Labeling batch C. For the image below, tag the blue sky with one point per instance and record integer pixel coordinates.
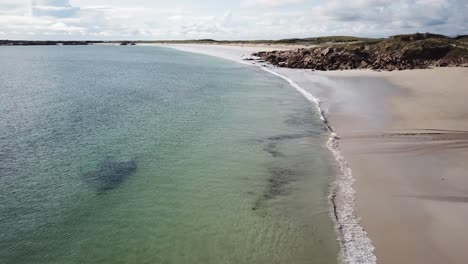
(227, 19)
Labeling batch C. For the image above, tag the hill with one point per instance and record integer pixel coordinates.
(291, 41)
(394, 53)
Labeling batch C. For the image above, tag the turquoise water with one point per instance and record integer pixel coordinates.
(149, 155)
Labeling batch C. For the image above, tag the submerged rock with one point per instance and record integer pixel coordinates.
(110, 174)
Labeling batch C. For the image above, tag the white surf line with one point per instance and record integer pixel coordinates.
(356, 246)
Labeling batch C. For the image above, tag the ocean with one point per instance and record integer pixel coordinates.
(136, 154)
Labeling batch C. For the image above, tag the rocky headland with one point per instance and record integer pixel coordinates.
(401, 52)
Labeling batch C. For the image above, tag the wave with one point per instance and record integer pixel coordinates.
(356, 246)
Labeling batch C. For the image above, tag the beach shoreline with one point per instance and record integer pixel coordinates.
(411, 175)
(355, 245)
(405, 145)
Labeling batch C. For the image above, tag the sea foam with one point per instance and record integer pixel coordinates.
(356, 246)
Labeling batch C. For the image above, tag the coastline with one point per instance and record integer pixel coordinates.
(228, 163)
(411, 171)
(404, 136)
(355, 245)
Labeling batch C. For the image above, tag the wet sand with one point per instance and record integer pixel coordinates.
(412, 174)
(405, 137)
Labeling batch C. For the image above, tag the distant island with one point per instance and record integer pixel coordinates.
(60, 42)
(45, 42)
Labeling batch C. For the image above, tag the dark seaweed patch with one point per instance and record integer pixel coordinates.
(301, 119)
(271, 148)
(308, 121)
(277, 184)
(287, 137)
(273, 142)
(110, 175)
(279, 177)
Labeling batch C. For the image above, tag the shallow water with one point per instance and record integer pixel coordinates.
(149, 155)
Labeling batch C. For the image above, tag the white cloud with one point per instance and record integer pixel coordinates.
(442, 16)
(37, 26)
(232, 19)
(53, 8)
(269, 3)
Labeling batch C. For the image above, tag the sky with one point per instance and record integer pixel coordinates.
(226, 19)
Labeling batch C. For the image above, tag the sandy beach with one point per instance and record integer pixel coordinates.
(410, 171)
(404, 135)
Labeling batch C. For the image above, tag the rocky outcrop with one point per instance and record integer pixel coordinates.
(397, 53)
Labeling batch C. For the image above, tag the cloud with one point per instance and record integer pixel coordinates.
(14, 7)
(231, 19)
(37, 26)
(393, 16)
(268, 3)
(53, 8)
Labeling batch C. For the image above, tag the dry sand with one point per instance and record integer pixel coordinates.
(405, 136)
(230, 52)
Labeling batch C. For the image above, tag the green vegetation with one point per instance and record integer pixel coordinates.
(399, 52)
(292, 41)
(393, 42)
(408, 41)
(323, 40)
(419, 45)
(462, 38)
